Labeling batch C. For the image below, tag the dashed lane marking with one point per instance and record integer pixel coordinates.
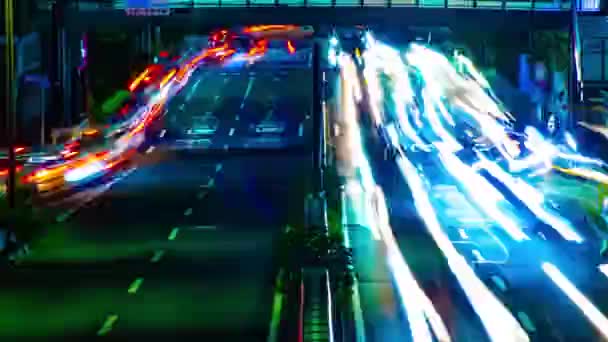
(157, 256)
(162, 133)
(208, 227)
(478, 255)
(247, 91)
(135, 285)
(463, 234)
(150, 149)
(173, 233)
(188, 212)
(301, 129)
(500, 284)
(108, 324)
(526, 321)
(231, 133)
(63, 217)
(211, 183)
(218, 167)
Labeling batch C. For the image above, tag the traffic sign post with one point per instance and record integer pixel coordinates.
(43, 83)
(10, 99)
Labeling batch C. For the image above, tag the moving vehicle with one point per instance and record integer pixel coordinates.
(256, 40)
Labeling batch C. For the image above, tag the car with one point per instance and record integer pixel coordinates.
(4, 168)
(224, 42)
(152, 75)
(255, 40)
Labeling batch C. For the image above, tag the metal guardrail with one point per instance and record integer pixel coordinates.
(524, 5)
(317, 315)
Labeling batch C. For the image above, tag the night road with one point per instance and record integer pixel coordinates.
(228, 198)
(465, 253)
(182, 244)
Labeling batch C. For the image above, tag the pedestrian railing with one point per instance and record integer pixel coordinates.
(526, 5)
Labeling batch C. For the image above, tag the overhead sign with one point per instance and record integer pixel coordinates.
(41, 80)
(148, 7)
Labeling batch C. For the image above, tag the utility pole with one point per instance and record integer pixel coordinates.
(316, 203)
(57, 67)
(575, 76)
(10, 98)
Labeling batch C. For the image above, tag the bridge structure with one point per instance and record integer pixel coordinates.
(457, 14)
(70, 20)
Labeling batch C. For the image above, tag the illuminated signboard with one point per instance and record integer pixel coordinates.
(148, 7)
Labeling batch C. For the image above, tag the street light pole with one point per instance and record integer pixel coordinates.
(10, 98)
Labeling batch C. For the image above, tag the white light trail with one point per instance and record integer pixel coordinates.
(533, 199)
(480, 191)
(603, 269)
(496, 319)
(417, 306)
(593, 314)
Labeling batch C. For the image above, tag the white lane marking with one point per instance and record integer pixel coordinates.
(157, 256)
(247, 91)
(162, 133)
(526, 321)
(218, 167)
(591, 312)
(237, 118)
(502, 286)
(231, 132)
(211, 183)
(173, 233)
(217, 97)
(188, 212)
(226, 147)
(108, 324)
(301, 129)
(478, 255)
(463, 234)
(193, 90)
(210, 227)
(135, 285)
(150, 149)
(603, 269)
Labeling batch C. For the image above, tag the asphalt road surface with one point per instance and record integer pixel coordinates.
(238, 100)
(540, 306)
(180, 247)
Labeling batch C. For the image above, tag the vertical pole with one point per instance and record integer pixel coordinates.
(316, 205)
(317, 114)
(56, 66)
(10, 98)
(66, 76)
(84, 71)
(42, 116)
(574, 79)
(157, 39)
